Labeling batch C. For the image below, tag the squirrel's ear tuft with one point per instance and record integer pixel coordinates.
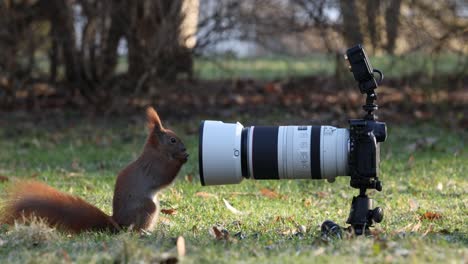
(153, 119)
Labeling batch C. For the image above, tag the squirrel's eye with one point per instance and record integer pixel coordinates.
(173, 140)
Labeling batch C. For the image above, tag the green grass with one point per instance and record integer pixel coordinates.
(280, 67)
(82, 157)
(323, 65)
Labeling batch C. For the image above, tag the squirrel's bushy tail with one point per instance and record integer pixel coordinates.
(28, 199)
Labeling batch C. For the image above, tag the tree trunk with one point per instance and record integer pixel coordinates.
(351, 24)
(53, 58)
(119, 23)
(392, 17)
(136, 50)
(373, 12)
(63, 30)
(154, 42)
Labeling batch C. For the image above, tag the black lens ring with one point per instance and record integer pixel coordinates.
(244, 149)
(200, 152)
(265, 153)
(315, 165)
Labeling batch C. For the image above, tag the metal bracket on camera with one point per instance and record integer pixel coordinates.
(364, 156)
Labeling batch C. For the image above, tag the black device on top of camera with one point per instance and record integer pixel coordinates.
(229, 152)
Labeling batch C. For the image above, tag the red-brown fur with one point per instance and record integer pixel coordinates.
(34, 199)
(134, 203)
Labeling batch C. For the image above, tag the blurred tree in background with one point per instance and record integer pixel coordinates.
(80, 41)
(95, 48)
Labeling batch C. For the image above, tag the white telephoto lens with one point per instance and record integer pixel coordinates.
(220, 153)
(294, 152)
(310, 152)
(334, 146)
(230, 152)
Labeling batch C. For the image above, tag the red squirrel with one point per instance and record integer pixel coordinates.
(135, 204)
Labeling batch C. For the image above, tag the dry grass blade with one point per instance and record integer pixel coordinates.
(231, 208)
(416, 227)
(414, 205)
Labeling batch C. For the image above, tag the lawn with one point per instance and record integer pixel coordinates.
(278, 67)
(424, 170)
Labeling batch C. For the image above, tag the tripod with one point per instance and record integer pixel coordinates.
(364, 150)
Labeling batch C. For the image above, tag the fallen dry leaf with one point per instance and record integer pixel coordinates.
(322, 194)
(205, 195)
(219, 233)
(4, 178)
(181, 246)
(164, 220)
(170, 211)
(269, 193)
(377, 234)
(231, 208)
(431, 216)
(319, 251)
(287, 232)
(307, 202)
(279, 219)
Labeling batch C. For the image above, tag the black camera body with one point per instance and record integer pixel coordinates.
(367, 133)
(364, 152)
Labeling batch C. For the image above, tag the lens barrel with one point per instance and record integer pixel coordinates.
(220, 153)
(229, 152)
